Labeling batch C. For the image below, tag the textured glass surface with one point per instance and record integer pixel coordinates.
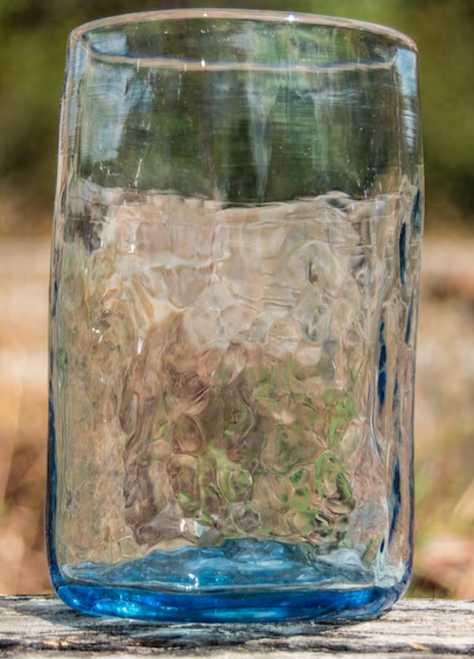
(234, 293)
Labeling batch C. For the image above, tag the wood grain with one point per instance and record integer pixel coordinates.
(42, 626)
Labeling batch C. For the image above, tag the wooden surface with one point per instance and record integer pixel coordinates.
(44, 627)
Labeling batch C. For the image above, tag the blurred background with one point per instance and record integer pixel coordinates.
(33, 36)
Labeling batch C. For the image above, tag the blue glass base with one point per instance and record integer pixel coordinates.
(239, 581)
(237, 607)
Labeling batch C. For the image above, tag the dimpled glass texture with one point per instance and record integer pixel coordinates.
(234, 294)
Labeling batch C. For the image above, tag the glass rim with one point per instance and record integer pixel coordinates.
(263, 15)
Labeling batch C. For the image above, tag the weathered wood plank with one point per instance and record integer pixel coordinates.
(44, 627)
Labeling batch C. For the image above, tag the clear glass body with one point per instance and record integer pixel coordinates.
(234, 292)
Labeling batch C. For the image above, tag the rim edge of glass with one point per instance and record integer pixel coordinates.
(243, 14)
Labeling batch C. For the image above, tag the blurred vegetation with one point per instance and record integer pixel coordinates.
(32, 54)
(33, 35)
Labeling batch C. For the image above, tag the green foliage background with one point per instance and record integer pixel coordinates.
(33, 36)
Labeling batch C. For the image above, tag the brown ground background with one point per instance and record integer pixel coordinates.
(444, 428)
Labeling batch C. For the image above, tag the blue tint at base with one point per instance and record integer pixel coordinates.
(284, 606)
(238, 607)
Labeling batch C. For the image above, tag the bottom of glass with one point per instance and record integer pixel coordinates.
(239, 581)
(248, 607)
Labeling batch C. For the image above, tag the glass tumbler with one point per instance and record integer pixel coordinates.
(234, 293)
